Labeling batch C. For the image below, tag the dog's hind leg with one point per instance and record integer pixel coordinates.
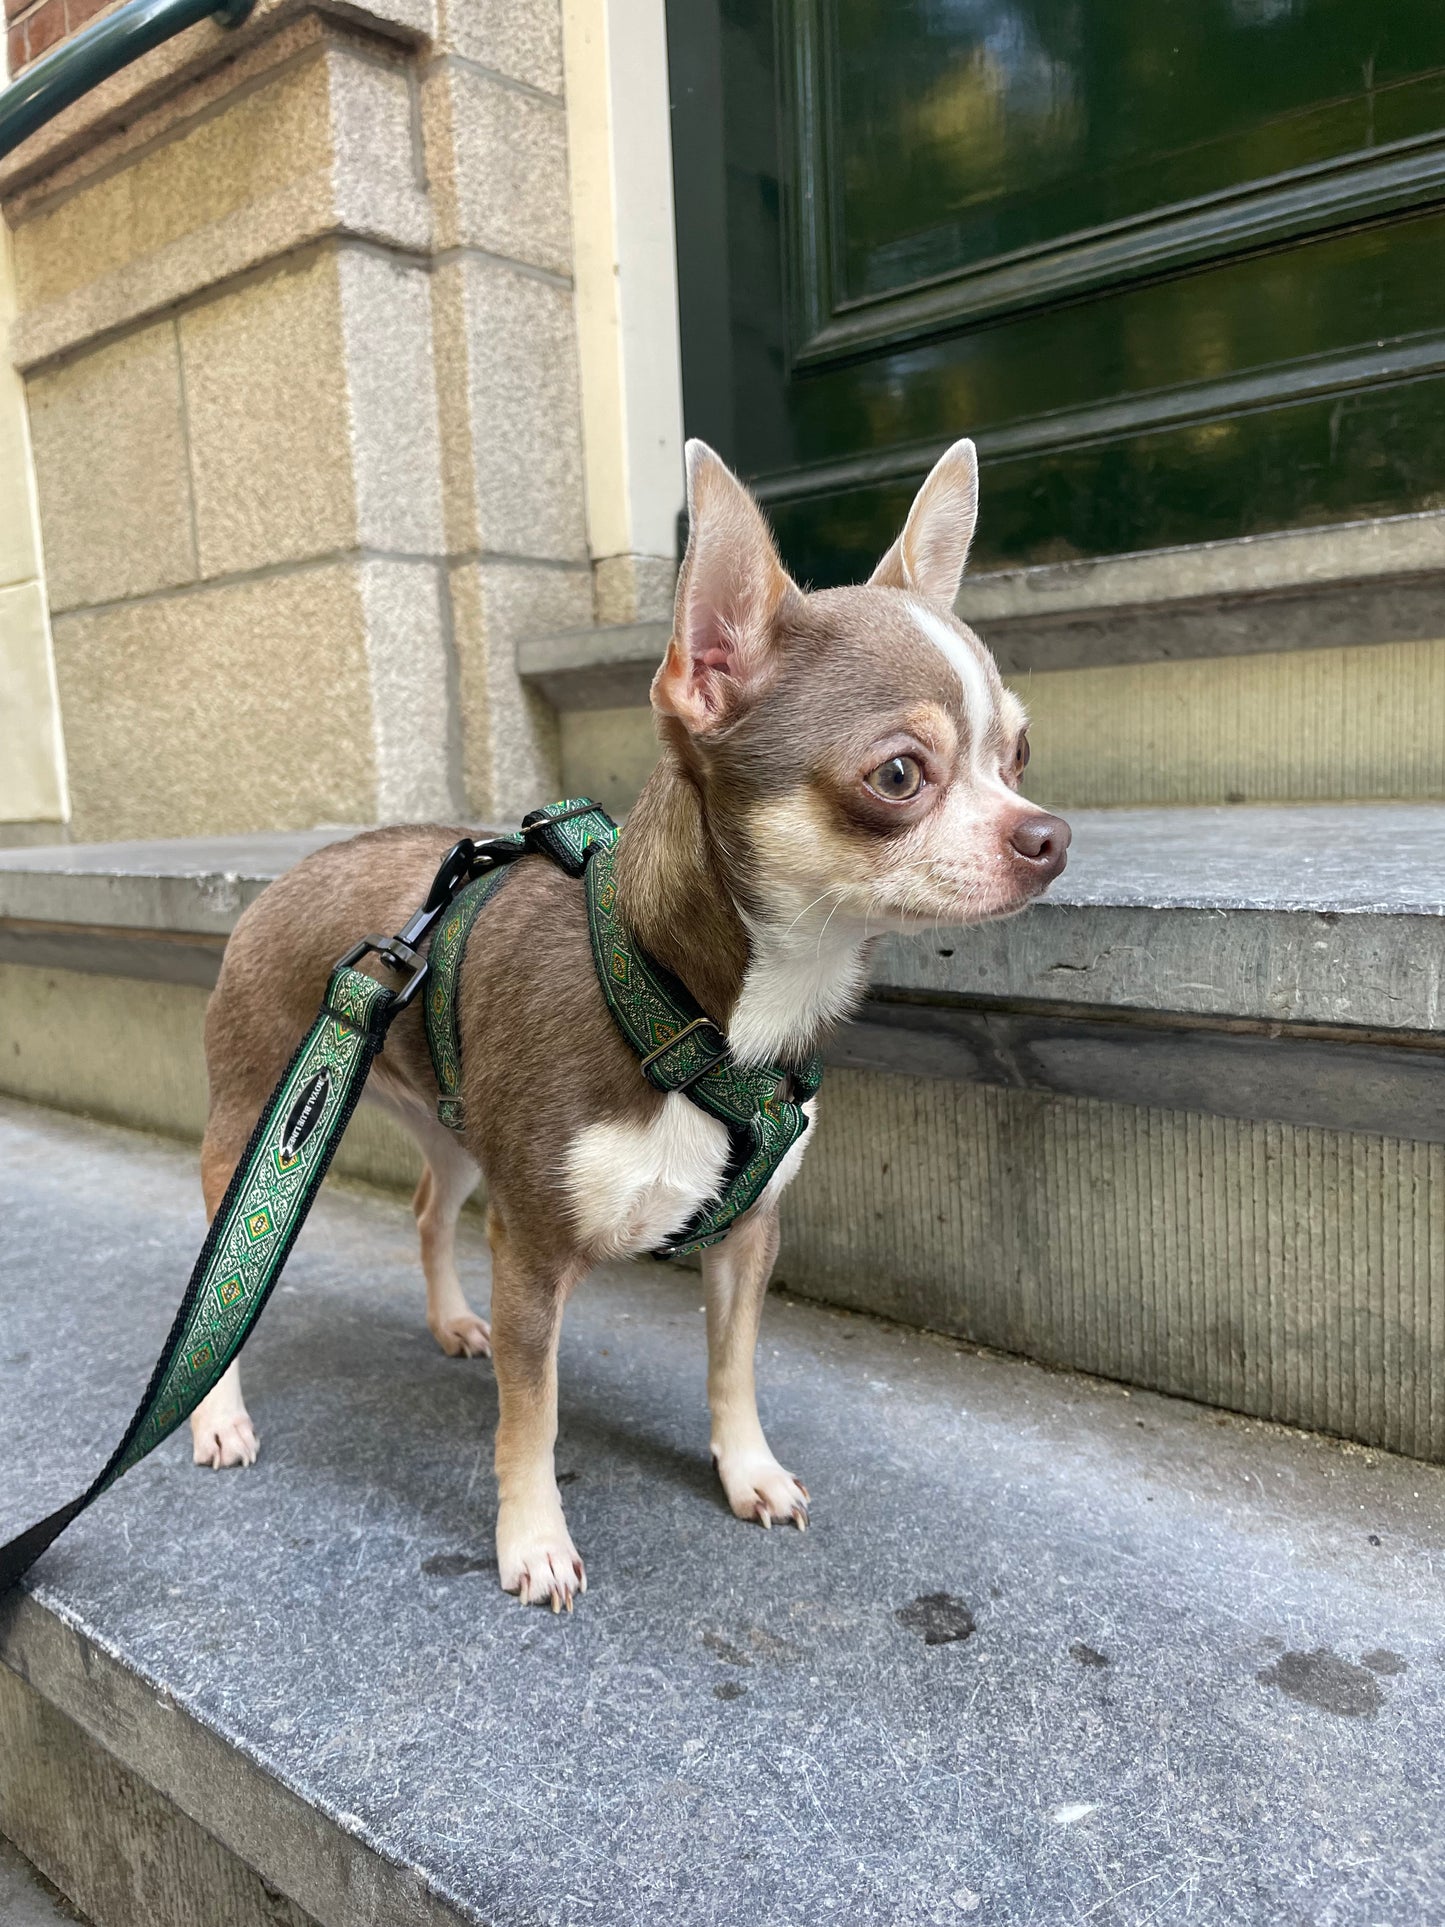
(735, 1280)
(447, 1182)
(221, 1429)
(449, 1177)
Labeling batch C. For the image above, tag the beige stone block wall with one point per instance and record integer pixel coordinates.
(310, 399)
(506, 355)
(34, 801)
(520, 42)
(238, 706)
(304, 136)
(110, 461)
(500, 180)
(299, 341)
(512, 748)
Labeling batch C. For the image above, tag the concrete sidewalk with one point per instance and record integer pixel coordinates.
(1052, 1652)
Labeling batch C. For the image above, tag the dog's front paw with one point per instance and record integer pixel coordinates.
(758, 1488)
(465, 1336)
(537, 1559)
(224, 1441)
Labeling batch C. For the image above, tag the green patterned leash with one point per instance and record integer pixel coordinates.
(273, 1187)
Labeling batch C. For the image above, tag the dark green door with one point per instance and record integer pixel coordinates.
(1176, 264)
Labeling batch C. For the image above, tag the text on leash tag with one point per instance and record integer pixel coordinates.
(305, 1114)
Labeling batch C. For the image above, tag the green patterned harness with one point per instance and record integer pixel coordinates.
(680, 1047)
(280, 1172)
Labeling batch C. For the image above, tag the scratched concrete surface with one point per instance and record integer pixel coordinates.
(1051, 1653)
(26, 1899)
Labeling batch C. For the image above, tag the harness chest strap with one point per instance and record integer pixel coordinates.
(683, 1050)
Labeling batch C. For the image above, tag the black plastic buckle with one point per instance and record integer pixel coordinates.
(461, 863)
(397, 956)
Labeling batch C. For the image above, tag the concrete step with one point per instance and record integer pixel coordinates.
(1180, 1124)
(1298, 666)
(27, 1898)
(1052, 1651)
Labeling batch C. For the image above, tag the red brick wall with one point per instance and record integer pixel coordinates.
(34, 26)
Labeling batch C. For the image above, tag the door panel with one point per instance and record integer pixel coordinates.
(1175, 265)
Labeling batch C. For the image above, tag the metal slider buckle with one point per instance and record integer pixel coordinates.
(698, 1023)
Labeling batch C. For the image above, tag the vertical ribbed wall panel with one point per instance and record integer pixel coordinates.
(1292, 1274)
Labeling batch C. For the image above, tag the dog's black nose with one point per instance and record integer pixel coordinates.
(1043, 842)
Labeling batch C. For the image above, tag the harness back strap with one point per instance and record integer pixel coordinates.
(567, 832)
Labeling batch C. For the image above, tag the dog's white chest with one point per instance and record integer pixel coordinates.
(633, 1184)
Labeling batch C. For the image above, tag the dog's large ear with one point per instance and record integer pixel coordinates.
(928, 557)
(728, 595)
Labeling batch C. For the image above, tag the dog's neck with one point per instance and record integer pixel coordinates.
(775, 981)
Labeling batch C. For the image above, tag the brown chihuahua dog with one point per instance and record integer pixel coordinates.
(833, 765)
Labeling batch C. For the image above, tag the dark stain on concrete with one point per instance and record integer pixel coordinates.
(939, 1617)
(451, 1565)
(1323, 1679)
(725, 1650)
(1382, 1660)
(1087, 1655)
(730, 1689)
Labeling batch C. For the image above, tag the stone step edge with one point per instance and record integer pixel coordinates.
(327, 1867)
(1340, 585)
(1287, 1015)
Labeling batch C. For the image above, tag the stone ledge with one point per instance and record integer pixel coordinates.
(1320, 915)
(147, 82)
(312, 1657)
(1248, 963)
(192, 885)
(604, 668)
(1338, 586)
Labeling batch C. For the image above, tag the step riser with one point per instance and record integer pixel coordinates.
(127, 1803)
(115, 1847)
(1301, 726)
(1290, 1272)
(128, 1051)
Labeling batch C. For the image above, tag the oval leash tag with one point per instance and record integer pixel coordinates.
(305, 1116)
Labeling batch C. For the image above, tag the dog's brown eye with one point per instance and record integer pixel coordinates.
(1021, 754)
(897, 779)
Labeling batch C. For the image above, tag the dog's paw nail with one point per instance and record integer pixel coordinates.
(800, 1517)
(801, 1487)
(765, 1518)
(466, 1336)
